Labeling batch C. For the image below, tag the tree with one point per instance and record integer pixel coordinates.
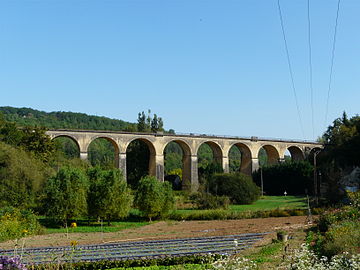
(141, 122)
(21, 177)
(109, 197)
(153, 198)
(293, 177)
(65, 194)
(36, 141)
(237, 186)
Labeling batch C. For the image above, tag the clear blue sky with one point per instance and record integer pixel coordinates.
(215, 67)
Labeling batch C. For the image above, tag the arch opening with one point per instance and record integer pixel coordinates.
(268, 156)
(209, 161)
(103, 152)
(67, 146)
(240, 159)
(140, 161)
(177, 161)
(295, 154)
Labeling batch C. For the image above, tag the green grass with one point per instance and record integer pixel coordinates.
(96, 227)
(265, 203)
(267, 253)
(273, 202)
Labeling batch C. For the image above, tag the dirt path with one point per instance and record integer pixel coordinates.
(166, 230)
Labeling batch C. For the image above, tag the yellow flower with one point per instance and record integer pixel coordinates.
(73, 243)
(73, 225)
(25, 231)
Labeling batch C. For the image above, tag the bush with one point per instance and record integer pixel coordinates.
(8, 263)
(208, 201)
(15, 223)
(239, 187)
(154, 198)
(342, 237)
(108, 264)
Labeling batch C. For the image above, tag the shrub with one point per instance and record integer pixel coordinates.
(108, 264)
(342, 237)
(239, 187)
(154, 198)
(208, 201)
(15, 223)
(7, 263)
(305, 259)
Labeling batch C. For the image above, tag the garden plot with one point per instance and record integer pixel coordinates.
(229, 244)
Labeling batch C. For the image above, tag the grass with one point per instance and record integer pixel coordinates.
(273, 202)
(265, 203)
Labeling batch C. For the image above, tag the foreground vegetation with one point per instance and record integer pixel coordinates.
(38, 178)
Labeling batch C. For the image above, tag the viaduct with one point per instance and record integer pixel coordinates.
(220, 145)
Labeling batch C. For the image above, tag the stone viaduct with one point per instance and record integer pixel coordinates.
(249, 148)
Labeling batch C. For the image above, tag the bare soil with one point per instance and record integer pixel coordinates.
(166, 230)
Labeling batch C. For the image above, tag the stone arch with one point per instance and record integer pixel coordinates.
(246, 157)
(74, 139)
(113, 143)
(152, 168)
(216, 149)
(186, 162)
(273, 155)
(296, 153)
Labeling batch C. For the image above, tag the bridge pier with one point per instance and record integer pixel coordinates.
(225, 164)
(159, 164)
(194, 178)
(122, 164)
(84, 155)
(255, 164)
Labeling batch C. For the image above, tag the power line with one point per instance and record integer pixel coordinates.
(290, 68)
(332, 62)
(310, 69)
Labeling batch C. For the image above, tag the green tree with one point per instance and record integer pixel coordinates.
(66, 194)
(141, 122)
(109, 197)
(36, 141)
(21, 177)
(293, 177)
(237, 186)
(153, 198)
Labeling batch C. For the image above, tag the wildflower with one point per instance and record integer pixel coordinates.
(73, 243)
(73, 225)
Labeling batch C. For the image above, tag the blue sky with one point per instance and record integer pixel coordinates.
(214, 67)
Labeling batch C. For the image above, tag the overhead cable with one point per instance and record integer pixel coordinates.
(332, 62)
(290, 68)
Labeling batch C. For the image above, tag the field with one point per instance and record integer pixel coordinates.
(265, 203)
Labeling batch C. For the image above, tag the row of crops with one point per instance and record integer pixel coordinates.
(229, 244)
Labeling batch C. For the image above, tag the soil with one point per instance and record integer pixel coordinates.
(167, 230)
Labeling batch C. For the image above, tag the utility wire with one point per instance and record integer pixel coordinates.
(332, 62)
(290, 68)
(310, 69)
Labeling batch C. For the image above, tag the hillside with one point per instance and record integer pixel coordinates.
(59, 120)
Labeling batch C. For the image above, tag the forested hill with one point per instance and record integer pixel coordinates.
(59, 120)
